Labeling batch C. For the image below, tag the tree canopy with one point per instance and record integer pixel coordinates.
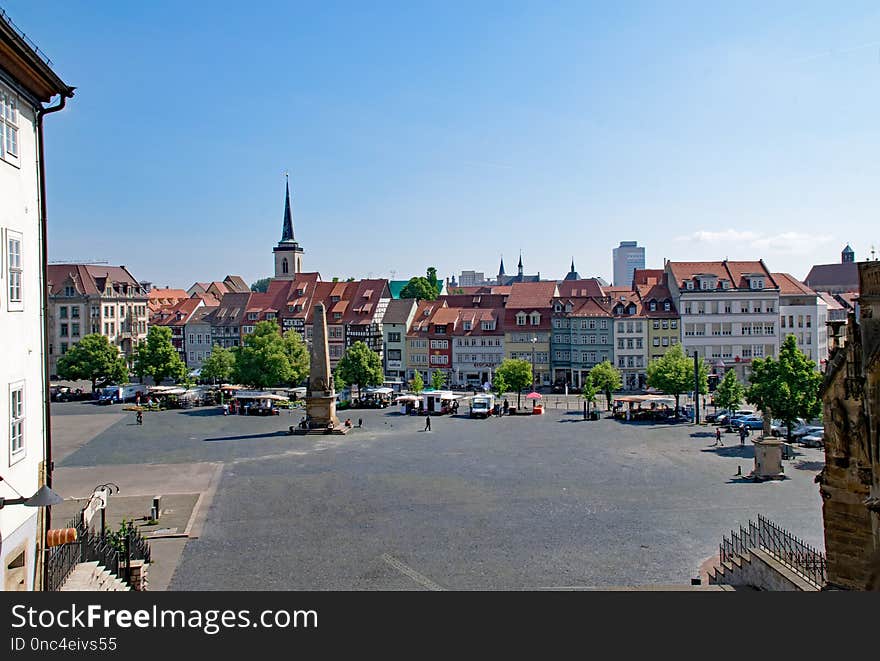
(787, 388)
(589, 390)
(417, 383)
(516, 374)
(730, 392)
(673, 373)
(156, 357)
(94, 359)
(297, 355)
(262, 359)
(261, 285)
(606, 378)
(219, 366)
(438, 379)
(361, 365)
(419, 288)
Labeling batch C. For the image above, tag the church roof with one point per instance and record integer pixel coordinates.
(287, 226)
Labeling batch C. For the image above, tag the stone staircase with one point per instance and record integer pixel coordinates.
(760, 570)
(92, 577)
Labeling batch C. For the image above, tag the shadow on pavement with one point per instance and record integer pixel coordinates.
(203, 412)
(741, 451)
(249, 436)
(810, 465)
(703, 434)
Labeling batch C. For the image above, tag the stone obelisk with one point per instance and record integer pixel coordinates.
(321, 396)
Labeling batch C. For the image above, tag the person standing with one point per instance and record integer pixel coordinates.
(718, 437)
(506, 407)
(427, 423)
(742, 435)
(140, 417)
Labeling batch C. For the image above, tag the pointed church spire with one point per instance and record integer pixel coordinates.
(501, 268)
(520, 266)
(287, 227)
(572, 264)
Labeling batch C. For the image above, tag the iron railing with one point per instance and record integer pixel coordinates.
(779, 543)
(90, 546)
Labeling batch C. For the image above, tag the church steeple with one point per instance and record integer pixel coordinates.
(572, 265)
(288, 253)
(520, 266)
(287, 226)
(501, 268)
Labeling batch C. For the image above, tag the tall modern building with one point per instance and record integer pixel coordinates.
(627, 258)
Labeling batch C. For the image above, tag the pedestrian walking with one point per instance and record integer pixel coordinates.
(360, 422)
(718, 437)
(506, 406)
(742, 435)
(140, 417)
(427, 423)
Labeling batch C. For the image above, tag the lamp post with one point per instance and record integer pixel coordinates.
(696, 388)
(534, 341)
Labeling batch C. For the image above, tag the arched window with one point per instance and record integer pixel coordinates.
(284, 265)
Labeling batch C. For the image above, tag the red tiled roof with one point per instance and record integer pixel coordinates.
(580, 288)
(161, 294)
(790, 286)
(648, 276)
(89, 279)
(179, 314)
(734, 272)
(531, 294)
(583, 307)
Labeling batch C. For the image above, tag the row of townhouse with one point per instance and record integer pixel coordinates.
(726, 312)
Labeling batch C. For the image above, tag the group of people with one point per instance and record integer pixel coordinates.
(743, 432)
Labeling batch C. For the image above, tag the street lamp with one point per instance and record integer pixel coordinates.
(534, 341)
(696, 388)
(44, 497)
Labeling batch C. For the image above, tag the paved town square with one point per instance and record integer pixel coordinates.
(520, 502)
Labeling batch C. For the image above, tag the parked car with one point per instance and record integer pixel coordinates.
(815, 440)
(805, 430)
(751, 422)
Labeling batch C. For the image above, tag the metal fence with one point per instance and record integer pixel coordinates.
(93, 546)
(781, 544)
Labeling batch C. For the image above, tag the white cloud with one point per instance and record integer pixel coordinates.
(782, 243)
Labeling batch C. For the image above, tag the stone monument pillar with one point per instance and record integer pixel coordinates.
(321, 396)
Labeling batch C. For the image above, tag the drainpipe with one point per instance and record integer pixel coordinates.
(44, 302)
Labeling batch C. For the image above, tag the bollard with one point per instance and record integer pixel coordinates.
(154, 511)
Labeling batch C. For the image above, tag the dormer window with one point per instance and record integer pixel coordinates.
(334, 299)
(69, 291)
(467, 325)
(631, 309)
(568, 307)
(690, 284)
(488, 325)
(618, 309)
(667, 306)
(557, 307)
(653, 306)
(521, 319)
(757, 283)
(300, 292)
(535, 318)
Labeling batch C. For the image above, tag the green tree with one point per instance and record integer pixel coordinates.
(339, 384)
(730, 392)
(261, 361)
(438, 380)
(499, 384)
(156, 357)
(361, 365)
(589, 390)
(417, 383)
(261, 285)
(517, 374)
(420, 289)
(219, 366)
(432, 277)
(297, 355)
(93, 359)
(673, 373)
(606, 379)
(787, 388)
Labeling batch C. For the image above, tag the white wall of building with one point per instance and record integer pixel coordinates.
(21, 336)
(807, 324)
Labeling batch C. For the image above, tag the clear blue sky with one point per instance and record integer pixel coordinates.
(448, 133)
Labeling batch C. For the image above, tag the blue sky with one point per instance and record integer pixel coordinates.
(448, 134)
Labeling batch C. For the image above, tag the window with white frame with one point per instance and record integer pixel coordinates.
(8, 126)
(14, 268)
(16, 419)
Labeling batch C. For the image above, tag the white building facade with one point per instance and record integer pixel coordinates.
(23, 377)
(803, 313)
(729, 311)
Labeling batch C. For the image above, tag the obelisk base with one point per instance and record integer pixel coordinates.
(321, 416)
